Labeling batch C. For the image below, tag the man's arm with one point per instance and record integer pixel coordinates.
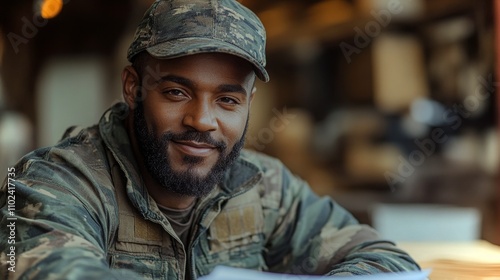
(61, 227)
(317, 236)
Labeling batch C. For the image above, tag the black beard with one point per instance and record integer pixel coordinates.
(186, 183)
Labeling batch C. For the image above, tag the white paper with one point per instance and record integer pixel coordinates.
(231, 273)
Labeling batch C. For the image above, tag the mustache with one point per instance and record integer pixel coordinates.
(200, 137)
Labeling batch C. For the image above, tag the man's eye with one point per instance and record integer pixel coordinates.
(173, 92)
(229, 100)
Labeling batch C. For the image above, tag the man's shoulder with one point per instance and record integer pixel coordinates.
(275, 175)
(263, 161)
(76, 140)
(78, 149)
(79, 134)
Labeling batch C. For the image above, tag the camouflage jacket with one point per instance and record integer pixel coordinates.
(82, 212)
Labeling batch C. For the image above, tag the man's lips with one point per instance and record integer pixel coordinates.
(194, 148)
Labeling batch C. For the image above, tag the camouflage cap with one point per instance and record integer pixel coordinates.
(174, 28)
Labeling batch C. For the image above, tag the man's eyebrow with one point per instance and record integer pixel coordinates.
(176, 79)
(232, 88)
(188, 83)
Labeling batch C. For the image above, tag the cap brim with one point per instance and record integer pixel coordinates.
(189, 46)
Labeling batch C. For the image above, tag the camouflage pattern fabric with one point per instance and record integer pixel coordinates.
(174, 28)
(83, 213)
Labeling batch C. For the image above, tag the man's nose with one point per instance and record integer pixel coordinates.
(200, 116)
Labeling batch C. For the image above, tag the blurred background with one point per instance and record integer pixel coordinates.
(388, 106)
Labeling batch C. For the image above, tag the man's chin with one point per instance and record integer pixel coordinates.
(195, 166)
(193, 181)
(194, 173)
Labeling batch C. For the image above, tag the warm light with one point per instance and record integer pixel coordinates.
(50, 8)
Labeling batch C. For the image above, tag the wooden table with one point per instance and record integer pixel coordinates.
(475, 260)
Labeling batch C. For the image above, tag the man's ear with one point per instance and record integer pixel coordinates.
(252, 94)
(130, 86)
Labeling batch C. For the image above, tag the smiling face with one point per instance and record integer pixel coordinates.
(191, 122)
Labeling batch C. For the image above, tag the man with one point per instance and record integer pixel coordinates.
(161, 188)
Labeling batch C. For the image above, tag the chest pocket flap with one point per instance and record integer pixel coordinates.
(239, 225)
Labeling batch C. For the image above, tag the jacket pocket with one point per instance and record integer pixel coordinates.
(149, 267)
(236, 237)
